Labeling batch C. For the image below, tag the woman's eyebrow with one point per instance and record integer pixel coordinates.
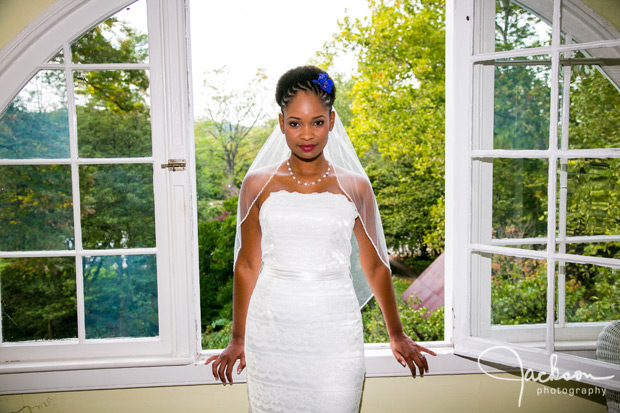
(298, 118)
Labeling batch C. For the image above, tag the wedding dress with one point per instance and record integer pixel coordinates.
(304, 343)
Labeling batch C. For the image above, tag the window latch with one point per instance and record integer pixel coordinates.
(174, 165)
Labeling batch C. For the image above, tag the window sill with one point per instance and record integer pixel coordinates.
(379, 363)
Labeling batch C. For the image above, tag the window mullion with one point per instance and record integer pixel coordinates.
(566, 80)
(99, 66)
(534, 51)
(543, 154)
(552, 179)
(75, 190)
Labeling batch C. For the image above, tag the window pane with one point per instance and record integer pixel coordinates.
(592, 293)
(117, 206)
(38, 298)
(518, 290)
(521, 106)
(520, 199)
(594, 117)
(36, 124)
(113, 115)
(120, 39)
(120, 296)
(516, 27)
(36, 208)
(58, 57)
(592, 207)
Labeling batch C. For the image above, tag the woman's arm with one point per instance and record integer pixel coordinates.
(405, 350)
(246, 270)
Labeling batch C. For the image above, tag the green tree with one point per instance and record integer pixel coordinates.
(223, 132)
(398, 115)
(38, 299)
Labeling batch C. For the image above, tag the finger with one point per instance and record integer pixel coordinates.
(420, 361)
(229, 369)
(222, 372)
(214, 370)
(399, 357)
(210, 359)
(411, 367)
(241, 364)
(425, 362)
(424, 349)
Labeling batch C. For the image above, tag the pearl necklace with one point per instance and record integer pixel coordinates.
(325, 175)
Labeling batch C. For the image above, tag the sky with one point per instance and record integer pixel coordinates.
(245, 35)
(275, 35)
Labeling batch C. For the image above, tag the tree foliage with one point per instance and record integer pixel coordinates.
(398, 115)
(223, 133)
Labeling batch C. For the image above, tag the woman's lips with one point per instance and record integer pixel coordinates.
(307, 148)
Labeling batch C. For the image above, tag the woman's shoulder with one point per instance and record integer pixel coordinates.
(256, 179)
(349, 177)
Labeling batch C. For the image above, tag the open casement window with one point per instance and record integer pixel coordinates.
(89, 112)
(533, 178)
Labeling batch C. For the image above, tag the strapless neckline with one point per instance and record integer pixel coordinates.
(315, 194)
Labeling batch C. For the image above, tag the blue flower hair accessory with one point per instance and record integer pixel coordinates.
(324, 82)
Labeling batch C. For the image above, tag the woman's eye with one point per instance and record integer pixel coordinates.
(319, 123)
(293, 124)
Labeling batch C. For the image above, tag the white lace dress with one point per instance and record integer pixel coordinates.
(304, 344)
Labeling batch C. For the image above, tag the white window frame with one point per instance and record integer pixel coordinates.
(176, 342)
(464, 197)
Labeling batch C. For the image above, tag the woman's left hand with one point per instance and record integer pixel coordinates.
(409, 353)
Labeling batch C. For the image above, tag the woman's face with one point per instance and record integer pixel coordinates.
(306, 123)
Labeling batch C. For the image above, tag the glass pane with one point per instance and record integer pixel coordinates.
(120, 296)
(594, 116)
(36, 208)
(592, 293)
(520, 201)
(58, 57)
(522, 105)
(117, 206)
(36, 123)
(121, 38)
(518, 290)
(113, 113)
(592, 207)
(38, 299)
(516, 27)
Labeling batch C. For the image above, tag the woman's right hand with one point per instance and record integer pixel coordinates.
(224, 363)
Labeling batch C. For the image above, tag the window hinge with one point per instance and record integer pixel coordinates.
(174, 164)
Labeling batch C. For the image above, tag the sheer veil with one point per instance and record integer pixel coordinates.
(352, 180)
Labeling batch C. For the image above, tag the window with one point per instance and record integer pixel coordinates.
(542, 242)
(90, 215)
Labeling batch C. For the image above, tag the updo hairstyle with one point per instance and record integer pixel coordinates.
(301, 78)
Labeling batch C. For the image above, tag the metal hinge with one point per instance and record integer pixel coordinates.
(174, 164)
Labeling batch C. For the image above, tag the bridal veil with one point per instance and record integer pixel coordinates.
(352, 180)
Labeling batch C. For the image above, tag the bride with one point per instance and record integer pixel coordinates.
(297, 290)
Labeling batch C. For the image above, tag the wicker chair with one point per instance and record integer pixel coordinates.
(608, 349)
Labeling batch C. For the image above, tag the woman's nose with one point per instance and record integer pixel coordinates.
(307, 134)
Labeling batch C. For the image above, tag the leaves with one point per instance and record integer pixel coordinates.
(398, 114)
